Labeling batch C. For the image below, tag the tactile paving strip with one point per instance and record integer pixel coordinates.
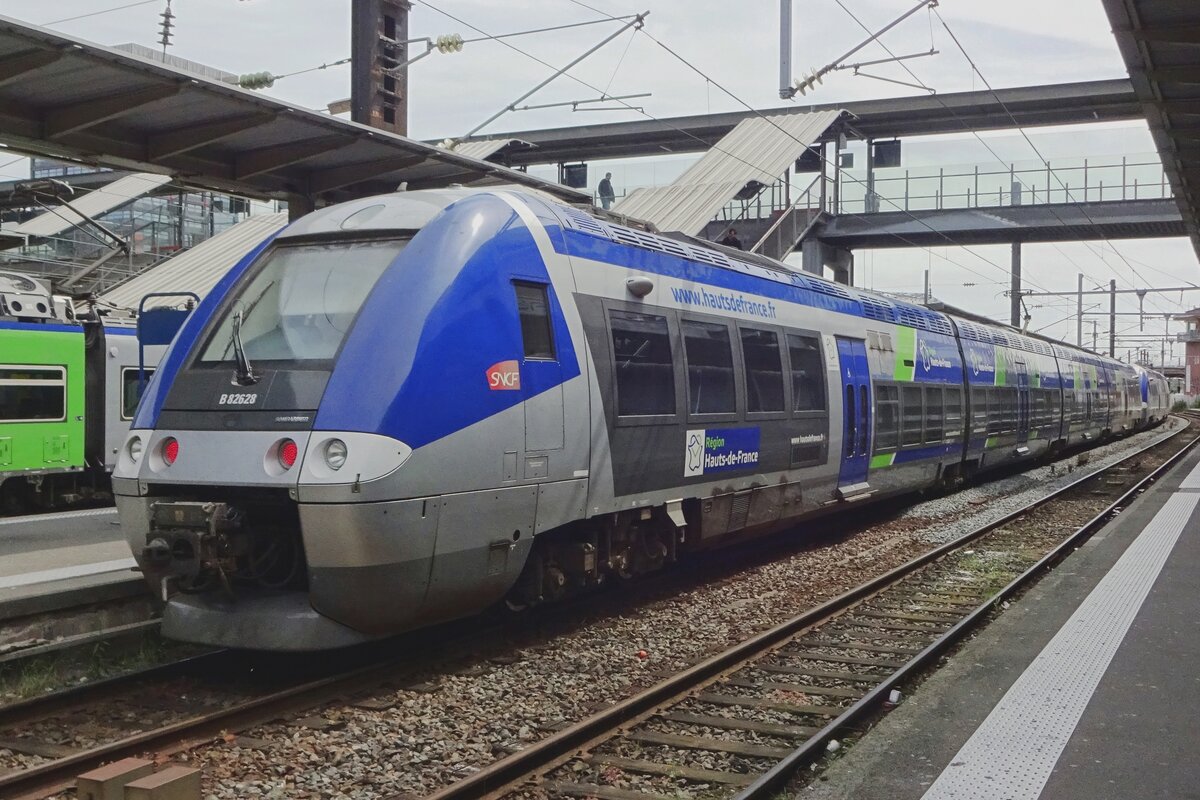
(1014, 750)
(1192, 481)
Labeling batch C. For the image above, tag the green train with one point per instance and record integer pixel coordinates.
(68, 388)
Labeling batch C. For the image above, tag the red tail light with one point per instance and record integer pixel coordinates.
(170, 450)
(288, 453)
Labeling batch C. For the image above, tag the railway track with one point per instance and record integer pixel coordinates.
(800, 699)
(172, 708)
(740, 724)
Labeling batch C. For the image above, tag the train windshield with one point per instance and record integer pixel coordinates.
(300, 301)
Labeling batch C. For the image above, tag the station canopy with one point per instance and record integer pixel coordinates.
(62, 97)
(488, 149)
(196, 269)
(1159, 41)
(755, 153)
(91, 205)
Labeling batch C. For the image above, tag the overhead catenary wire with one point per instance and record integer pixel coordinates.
(828, 161)
(966, 127)
(620, 61)
(1034, 147)
(963, 123)
(900, 237)
(635, 24)
(707, 145)
(98, 13)
(453, 43)
(758, 113)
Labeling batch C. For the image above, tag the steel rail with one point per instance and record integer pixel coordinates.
(12, 714)
(79, 640)
(183, 734)
(58, 774)
(511, 772)
(776, 778)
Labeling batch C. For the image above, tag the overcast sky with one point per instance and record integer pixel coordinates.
(1014, 43)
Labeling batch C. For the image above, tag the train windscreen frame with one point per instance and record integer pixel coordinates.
(299, 302)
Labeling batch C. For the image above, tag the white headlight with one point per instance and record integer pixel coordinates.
(135, 448)
(335, 453)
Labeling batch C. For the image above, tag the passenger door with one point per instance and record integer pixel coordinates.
(856, 417)
(1022, 402)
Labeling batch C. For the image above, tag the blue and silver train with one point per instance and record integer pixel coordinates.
(408, 408)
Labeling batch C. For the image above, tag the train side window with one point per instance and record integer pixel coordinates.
(933, 415)
(979, 409)
(533, 307)
(1008, 402)
(131, 390)
(864, 427)
(33, 394)
(808, 373)
(1039, 400)
(851, 415)
(913, 415)
(887, 418)
(709, 368)
(954, 413)
(644, 370)
(764, 370)
(995, 411)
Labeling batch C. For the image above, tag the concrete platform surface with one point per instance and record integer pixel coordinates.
(55, 531)
(52, 561)
(1086, 688)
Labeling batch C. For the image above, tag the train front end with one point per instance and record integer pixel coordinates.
(311, 466)
(207, 481)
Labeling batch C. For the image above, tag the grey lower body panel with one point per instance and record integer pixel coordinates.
(284, 622)
(376, 600)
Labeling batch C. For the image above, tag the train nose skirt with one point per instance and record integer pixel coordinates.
(278, 621)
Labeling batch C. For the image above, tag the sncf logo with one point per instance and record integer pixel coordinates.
(504, 376)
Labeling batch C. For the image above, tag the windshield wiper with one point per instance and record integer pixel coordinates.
(245, 373)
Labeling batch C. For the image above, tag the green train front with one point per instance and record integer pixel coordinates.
(41, 404)
(68, 389)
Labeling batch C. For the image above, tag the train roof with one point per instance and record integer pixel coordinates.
(874, 305)
(411, 211)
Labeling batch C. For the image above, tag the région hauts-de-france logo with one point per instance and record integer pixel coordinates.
(504, 376)
(930, 357)
(980, 362)
(718, 450)
(694, 464)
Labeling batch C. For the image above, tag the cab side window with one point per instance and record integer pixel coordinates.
(131, 389)
(533, 307)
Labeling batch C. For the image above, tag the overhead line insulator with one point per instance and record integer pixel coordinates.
(449, 43)
(164, 37)
(256, 80)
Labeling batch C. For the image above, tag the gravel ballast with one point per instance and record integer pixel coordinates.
(449, 721)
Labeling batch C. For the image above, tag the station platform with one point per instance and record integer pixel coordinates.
(54, 561)
(1086, 688)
